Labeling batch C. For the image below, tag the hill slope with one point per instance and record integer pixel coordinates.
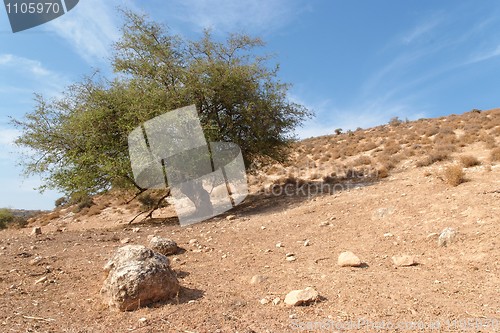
(396, 202)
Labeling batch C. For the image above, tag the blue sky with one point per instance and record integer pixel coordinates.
(355, 63)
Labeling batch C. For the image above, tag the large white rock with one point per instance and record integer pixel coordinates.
(301, 297)
(348, 259)
(138, 276)
(404, 260)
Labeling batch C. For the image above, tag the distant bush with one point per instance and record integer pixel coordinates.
(363, 160)
(6, 217)
(61, 202)
(433, 157)
(382, 172)
(94, 210)
(469, 161)
(495, 155)
(395, 121)
(82, 201)
(454, 175)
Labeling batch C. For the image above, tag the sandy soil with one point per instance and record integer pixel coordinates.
(395, 216)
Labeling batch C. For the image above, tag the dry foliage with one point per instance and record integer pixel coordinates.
(469, 161)
(454, 175)
(495, 155)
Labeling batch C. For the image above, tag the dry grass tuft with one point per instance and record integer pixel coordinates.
(495, 155)
(454, 175)
(469, 161)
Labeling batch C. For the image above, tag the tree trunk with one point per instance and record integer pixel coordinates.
(199, 196)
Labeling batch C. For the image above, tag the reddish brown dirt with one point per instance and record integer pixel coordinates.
(454, 288)
(449, 283)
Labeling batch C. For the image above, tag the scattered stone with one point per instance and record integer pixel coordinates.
(35, 261)
(136, 230)
(164, 246)
(258, 279)
(324, 224)
(193, 241)
(41, 280)
(292, 316)
(290, 254)
(307, 242)
(301, 297)
(432, 235)
(404, 260)
(138, 276)
(36, 231)
(388, 234)
(263, 228)
(291, 258)
(230, 217)
(125, 240)
(380, 213)
(276, 301)
(143, 320)
(447, 237)
(348, 259)
(279, 244)
(264, 301)
(24, 255)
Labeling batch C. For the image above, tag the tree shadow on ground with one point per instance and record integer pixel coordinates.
(279, 200)
(276, 199)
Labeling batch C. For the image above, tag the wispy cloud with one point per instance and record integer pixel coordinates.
(365, 114)
(33, 67)
(7, 136)
(422, 29)
(483, 56)
(90, 29)
(32, 76)
(228, 15)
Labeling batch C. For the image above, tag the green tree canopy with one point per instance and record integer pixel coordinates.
(78, 142)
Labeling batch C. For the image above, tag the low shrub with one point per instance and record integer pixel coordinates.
(6, 217)
(469, 161)
(495, 155)
(454, 175)
(61, 202)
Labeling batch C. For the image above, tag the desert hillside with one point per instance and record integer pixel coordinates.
(384, 193)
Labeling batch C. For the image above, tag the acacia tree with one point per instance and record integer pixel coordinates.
(78, 143)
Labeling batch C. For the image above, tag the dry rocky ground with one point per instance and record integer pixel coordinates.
(235, 274)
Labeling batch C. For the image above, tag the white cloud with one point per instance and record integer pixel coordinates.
(91, 28)
(365, 114)
(29, 75)
(421, 30)
(7, 136)
(30, 66)
(7, 147)
(229, 15)
(483, 56)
